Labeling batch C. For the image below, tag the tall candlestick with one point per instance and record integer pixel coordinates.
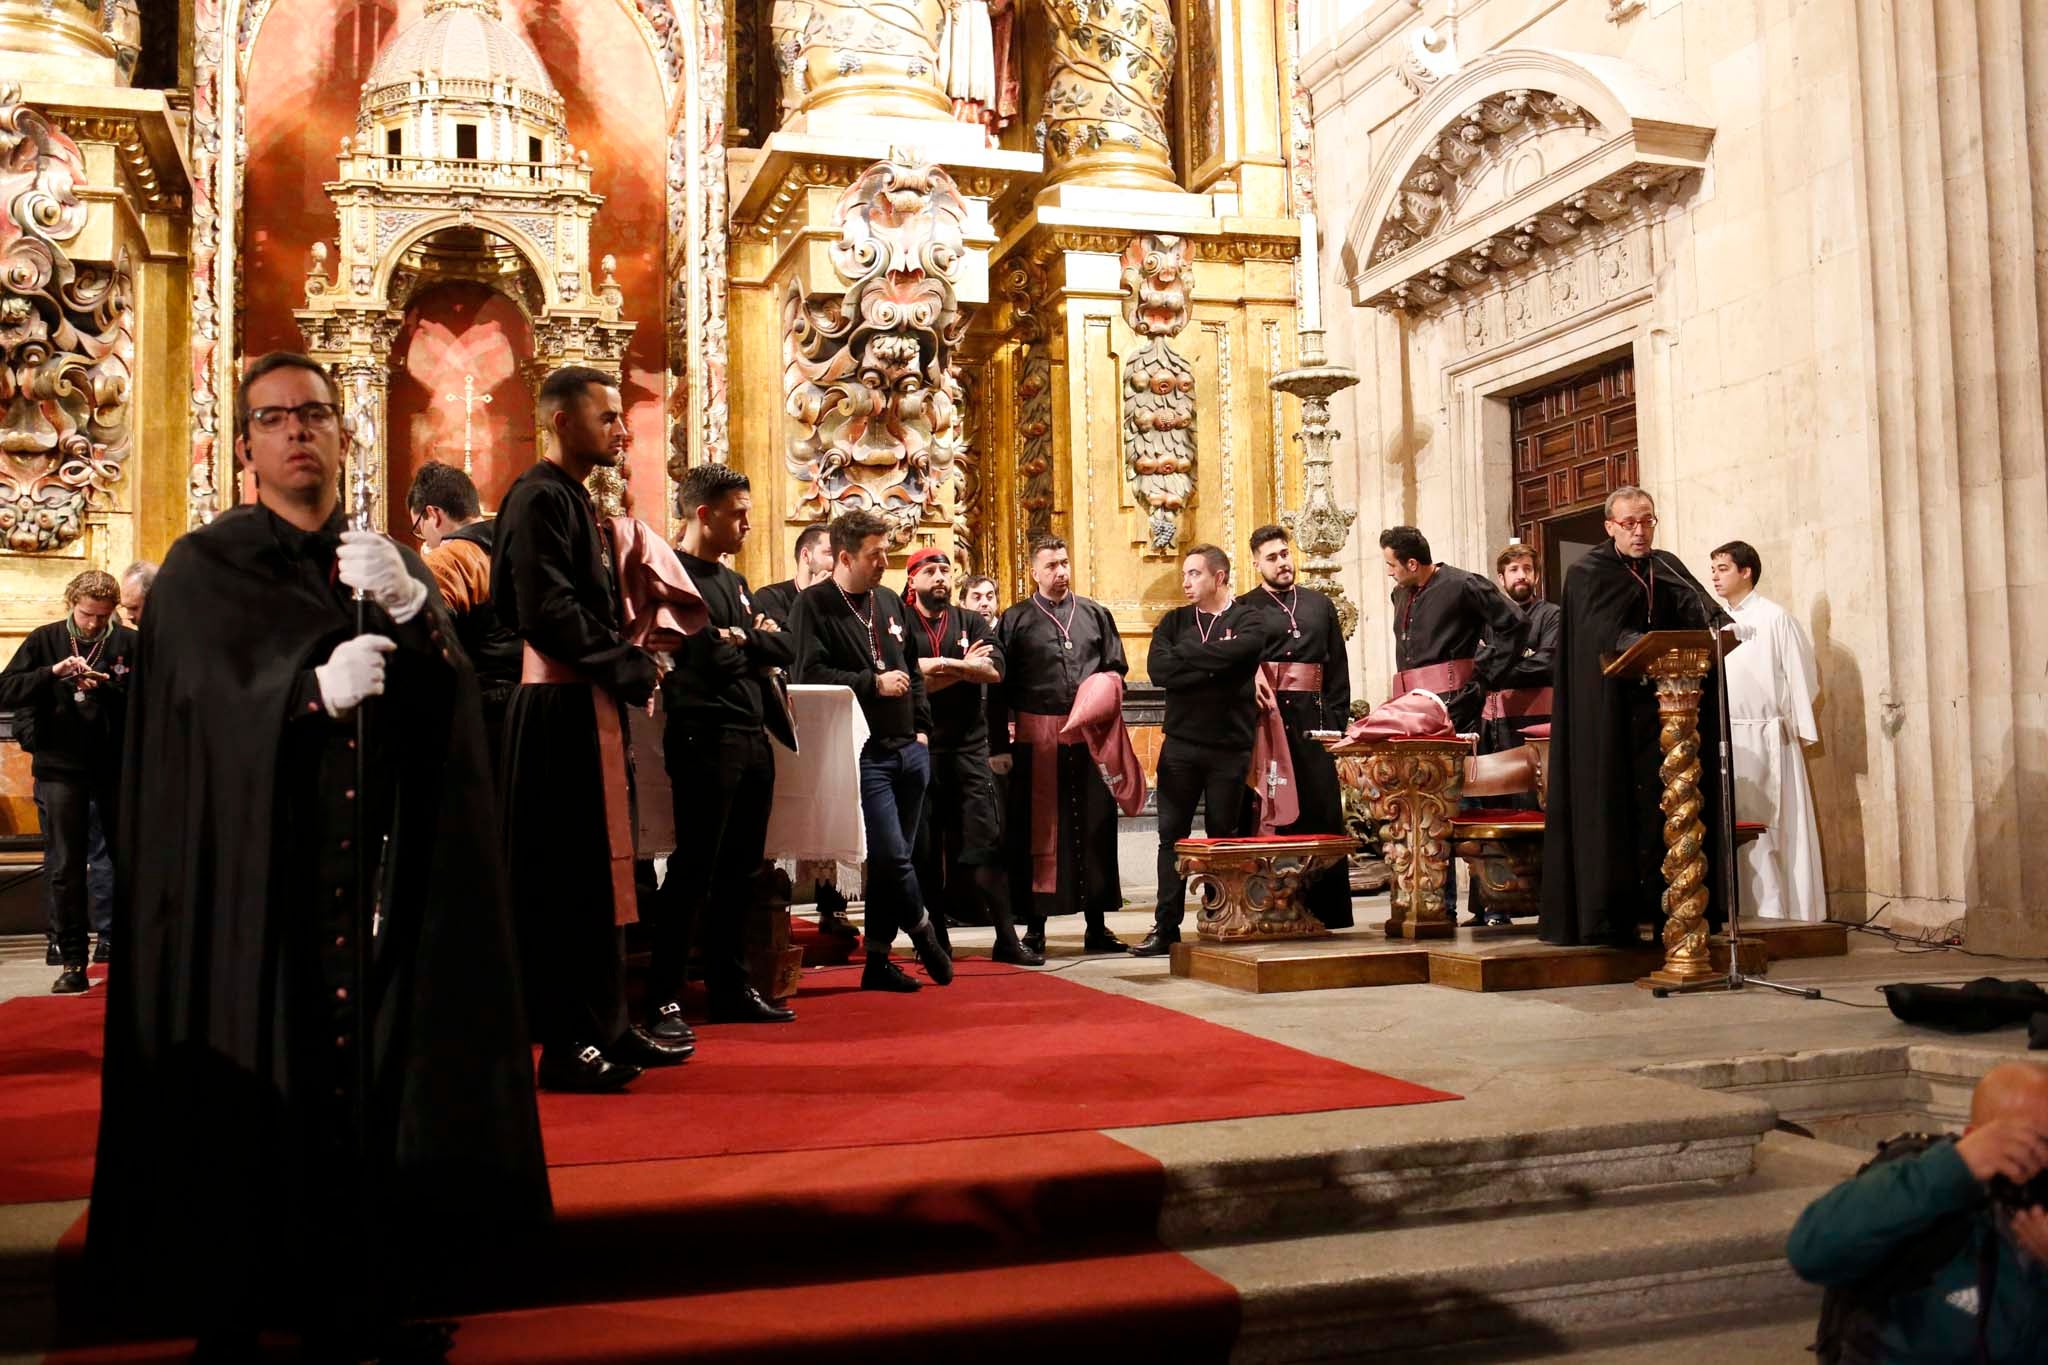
(1311, 276)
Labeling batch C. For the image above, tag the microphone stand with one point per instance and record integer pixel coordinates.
(1724, 827)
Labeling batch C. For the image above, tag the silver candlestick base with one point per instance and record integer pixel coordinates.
(1320, 527)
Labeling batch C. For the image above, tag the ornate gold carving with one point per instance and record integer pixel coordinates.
(1103, 117)
(1159, 398)
(1411, 788)
(1252, 888)
(1024, 287)
(869, 372)
(1507, 862)
(874, 57)
(1680, 677)
(1321, 526)
(67, 337)
(126, 136)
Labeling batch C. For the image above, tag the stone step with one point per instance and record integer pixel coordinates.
(1534, 1280)
(1591, 1138)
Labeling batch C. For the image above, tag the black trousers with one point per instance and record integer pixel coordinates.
(1191, 773)
(723, 782)
(960, 840)
(66, 806)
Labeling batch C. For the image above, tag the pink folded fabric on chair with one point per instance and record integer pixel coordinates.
(1420, 714)
(661, 604)
(1097, 720)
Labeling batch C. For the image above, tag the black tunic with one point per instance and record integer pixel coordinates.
(833, 645)
(67, 737)
(224, 1188)
(1533, 666)
(776, 601)
(715, 684)
(1208, 666)
(1603, 845)
(1316, 787)
(1041, 677)
(1444, 621)
(959, 712)
(551, 581)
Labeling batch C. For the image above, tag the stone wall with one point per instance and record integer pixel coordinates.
(1836, 327)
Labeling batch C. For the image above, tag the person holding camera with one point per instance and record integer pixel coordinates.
(1938, 1251)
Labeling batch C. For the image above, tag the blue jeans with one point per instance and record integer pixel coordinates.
(892, 786)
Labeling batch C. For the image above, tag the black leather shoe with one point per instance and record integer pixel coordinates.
(1498, 919)
(1158, 943)
(1103, 941)
(102, 951)
(53, 956)
(583, 1070)
(1016, 954)
(669, 1026)
(932, 954)
(1034, 938)
(883, 975)
(71, 982)
(748, 1006)
(835, 923)
(637, 1047)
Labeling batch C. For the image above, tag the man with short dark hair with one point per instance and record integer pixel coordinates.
(978, 595)
(455, 537)
(316, 996)
(813, 554)
(69, 680)
(1441, 614)
(853, 632)
(720, 769)
(960, 843)
(568, 813)
(1306, 675)
(1603, 832)
(1772, 686)
(1062, 816)
(1206, 656)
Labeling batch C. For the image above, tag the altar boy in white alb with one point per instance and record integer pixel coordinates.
(1772, 684)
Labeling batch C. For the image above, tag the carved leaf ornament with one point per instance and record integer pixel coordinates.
(868, 373)
(67, 342)
(1159, 384)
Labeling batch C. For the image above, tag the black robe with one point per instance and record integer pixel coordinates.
(1531, 666)
(1041, 677)
(1603, 845)
(551, 582)
(225, 1189)
(1445, 621)
(1316, 787)
(776, 601)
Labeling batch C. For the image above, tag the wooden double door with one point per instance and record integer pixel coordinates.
(1574, 443)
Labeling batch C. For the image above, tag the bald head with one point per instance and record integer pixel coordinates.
(2012, 1090)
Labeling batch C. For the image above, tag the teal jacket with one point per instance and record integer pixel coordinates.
(1851, 1232)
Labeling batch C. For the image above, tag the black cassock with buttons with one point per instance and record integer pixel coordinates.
(227, 1185)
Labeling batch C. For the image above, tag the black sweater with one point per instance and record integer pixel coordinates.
(69, 738)
(833, 646)
(714, 683)
(1210, 683)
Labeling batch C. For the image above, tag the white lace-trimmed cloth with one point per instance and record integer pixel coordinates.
(817, 816)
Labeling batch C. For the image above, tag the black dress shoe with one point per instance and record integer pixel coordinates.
(835, 923)
(637, 1047)
(932, 954)
(1158, 943)
(583, 1070)
(1016, 954)
(1498, 919)
(1034, 937)
(71, 982)
(748, 1006)
(53, 956)
(669, 1026)
(883, 975)
(102, 951)
(1103, 941)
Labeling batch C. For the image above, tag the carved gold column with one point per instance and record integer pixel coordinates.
(1104, 112)
(68, 41)
(871, 59)
(1411, 786)
(1680, 677)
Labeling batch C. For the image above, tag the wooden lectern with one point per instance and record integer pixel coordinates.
(1678, 662)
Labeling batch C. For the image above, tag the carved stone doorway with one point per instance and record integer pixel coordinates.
(1573, 442)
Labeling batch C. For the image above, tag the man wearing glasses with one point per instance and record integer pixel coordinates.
(1603, 845)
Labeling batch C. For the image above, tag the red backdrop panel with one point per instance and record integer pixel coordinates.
(452, 333)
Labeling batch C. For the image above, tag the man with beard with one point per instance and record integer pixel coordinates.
(1065, 859)
(961, 841)
(568, 802)
(1603, 841)
(455, 540)
(1206, 656)
(1441, 614)
(813, 562)
(719, 766)
(1306, 675)
(288, 877)
(853, 632)
(69, 680)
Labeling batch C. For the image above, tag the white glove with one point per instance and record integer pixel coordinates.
(354, 670)
(371, 562)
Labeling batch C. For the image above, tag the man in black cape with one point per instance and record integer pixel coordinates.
(245, 1178)
(1308, 677)
(1520, 697)
(1062, 849)
(1603, 843)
